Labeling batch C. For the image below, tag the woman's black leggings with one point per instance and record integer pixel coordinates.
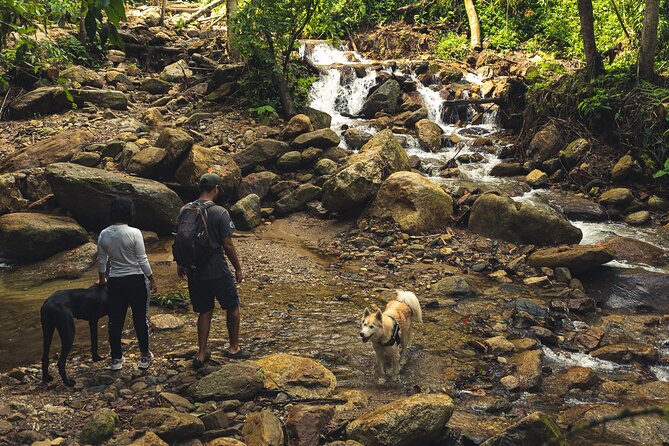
(123, 292)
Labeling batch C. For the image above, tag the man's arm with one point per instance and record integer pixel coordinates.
(231, 252)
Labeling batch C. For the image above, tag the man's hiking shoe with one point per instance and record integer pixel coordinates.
(241, 354)
(117, 364)
(145, 361)
(197, 364)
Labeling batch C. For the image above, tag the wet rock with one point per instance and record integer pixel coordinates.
(88, 159)
(11, 199)
(415, 116)
(578, 378)
(86, 193)
(246, 212)
(383, 99)
(635, 251)
(5, 427)
(216, 420)
(50, 100)
(638, 218)
(147, 163)
(297, 199)
(418, 419)
(536, 178)
(578, 208)
(31, 236)
(70, 264)
(257, 183)
(177, 143)
(455, 286)
(224, 74)
(325, 167)
(169, 424)
(429, 135)
(577, 258)
(297, 125)
(629, 288)
(507, 170)
(289, 161)
(153, 85)
(112, 99)
(61, 147)
(574, 151)
(311, 155)
(152, 116)
(356, 138)
(319, 119)
(166, 322)
(528, 369)
(546, 143)
(305, 424)
(240, 381)
(29, 437)
(530, 307)
(502, 218)
(499, 345)
(656, 203)
(262, 152)
(322, 139)
(176, 72)
(363, 173)
(201, 160)
(149, 439)
(99, 427)
(536, 428)
(619, 196)
(225, 441)
(414, 202)
(623, 168)
(82, 76)
(297, 376)
(263, 429)
(178, 402)
(626, 353)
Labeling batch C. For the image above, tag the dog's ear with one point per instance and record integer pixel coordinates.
(379, 315)
(366, 313)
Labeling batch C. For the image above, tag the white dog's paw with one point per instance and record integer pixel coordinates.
(381, 381)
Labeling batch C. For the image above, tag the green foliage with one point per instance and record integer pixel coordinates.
(664, 171)
(453, 46)
(596, 106)
(172, 299)
(264, 113)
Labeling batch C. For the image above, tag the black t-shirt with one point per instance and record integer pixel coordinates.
(220, 225)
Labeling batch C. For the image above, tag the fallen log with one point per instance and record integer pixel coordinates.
(203, 10)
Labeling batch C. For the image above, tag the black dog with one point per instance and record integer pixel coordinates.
(58, 313)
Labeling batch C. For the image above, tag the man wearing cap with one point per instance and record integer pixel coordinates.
(214, 280)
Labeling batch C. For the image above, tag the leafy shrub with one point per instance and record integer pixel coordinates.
(453, 46)
(264, 113)
(172, 299)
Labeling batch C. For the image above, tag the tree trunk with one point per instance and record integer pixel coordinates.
(231, 14)
(162, 12)
(83, 38)
(287, 103)
(474, 24)
(593, 61)
(646, 65)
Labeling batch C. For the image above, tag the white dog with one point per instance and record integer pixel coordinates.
(390, 331)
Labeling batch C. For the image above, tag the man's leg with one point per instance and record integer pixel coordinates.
(232, 321)
(203, 328)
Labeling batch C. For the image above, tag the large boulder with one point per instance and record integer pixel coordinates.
(258, 183)
(297, 376)
(418, 419)
(99, 427)
(322, 139)
(147, 163)
(86, 193)
(31, 236)
(455, 286)
(177, 143)
(305, 424)
(153, 85)
(319, 119)
(577, 258)
(113, 99)
(626, 352)
(636, 251)
(429, 134)
(364, 172)
(11, 198)
(616, 197)
(383, 99)
(623, 168)
(297, 125)
(169, 424)
(149, 439)
(356, 137)
(176, 72)
(59, 148)
(241, 381)
(263, 429)
(534, 429)
(546, 143)
(414, 202)
(261, 153)
(201, 160)
(529, 366)
(70, 264)
(574, 151)
(297, 199)
(82, 76)
(501, 217)
(246, 213)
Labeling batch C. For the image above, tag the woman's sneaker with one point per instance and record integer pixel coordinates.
(117, 364)
(145, 361)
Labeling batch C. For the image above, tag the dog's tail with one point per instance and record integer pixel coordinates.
(410, 299)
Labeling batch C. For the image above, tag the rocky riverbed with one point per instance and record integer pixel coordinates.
(392, 179)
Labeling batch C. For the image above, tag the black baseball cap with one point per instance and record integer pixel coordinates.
(210, 179)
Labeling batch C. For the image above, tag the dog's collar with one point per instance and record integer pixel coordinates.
(395, 337)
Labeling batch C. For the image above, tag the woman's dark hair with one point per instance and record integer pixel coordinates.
(122, 210)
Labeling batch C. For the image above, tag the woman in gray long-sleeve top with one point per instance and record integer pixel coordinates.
(121, 248)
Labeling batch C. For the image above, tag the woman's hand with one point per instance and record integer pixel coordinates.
(239, 277)
(182, 272)
(154, 287)
(102, 280)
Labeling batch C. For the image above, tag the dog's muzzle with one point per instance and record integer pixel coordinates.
(365, 339)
